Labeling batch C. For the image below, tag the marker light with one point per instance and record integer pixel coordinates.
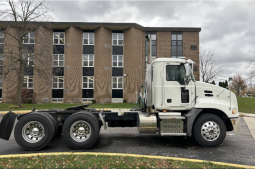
(234, 111)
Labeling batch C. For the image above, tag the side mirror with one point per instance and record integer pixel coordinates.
(188, 69)
(230, 80)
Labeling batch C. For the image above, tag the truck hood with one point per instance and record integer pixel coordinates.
(209, 94)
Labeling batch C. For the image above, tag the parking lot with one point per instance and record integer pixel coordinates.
(238, 148)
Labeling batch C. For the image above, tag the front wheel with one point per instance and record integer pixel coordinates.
(209, 130)
(81, 130)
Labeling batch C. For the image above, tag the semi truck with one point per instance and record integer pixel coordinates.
(171, 103)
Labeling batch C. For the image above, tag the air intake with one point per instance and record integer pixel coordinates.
(208, 93)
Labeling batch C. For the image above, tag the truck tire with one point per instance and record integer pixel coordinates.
(54, 121)
(81, 130)
(96, 119)
(34, 131)
(209, 130)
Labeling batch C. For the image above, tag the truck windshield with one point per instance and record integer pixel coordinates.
(175, 73)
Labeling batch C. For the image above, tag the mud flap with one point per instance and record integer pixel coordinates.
(7, 124)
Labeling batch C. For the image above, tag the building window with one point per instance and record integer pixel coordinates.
(29, 58)
(58, 82)
(153, 38)
(195, 68)
(117, 82)
(117, 39)
(88, 82)
(1, 64)
(1, 59)
(28, 82)
(88, 60)
(1, 81)
(117, 61)
(58, 38)
(29, 38)
(30, 61)
(88, 38)
(177, 45)
(193, 47)
(58, 60)
(1, 37)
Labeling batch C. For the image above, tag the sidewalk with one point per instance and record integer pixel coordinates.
(250, 121)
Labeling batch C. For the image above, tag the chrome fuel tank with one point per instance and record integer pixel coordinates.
(147, 123)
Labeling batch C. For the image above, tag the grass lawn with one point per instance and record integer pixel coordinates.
(5, 106)
(99, 161)
(246, 104)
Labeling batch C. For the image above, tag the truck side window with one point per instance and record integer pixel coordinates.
(175, 73)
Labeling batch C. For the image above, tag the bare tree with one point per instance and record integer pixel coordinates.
(251, 62)
(250, 65)
(209, 67)
(22, 21)
(238, 85)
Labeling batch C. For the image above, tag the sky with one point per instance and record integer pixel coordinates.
(228, 27)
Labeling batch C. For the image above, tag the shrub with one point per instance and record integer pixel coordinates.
(124, 100)
(26, 95)
(94, 101)
(13, 107)
(29, 101)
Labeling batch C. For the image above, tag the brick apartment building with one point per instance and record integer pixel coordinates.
(101, 61)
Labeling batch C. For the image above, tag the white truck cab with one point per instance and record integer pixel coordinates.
(173, 90)
(204, 110)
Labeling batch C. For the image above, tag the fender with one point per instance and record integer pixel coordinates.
(7, 124)
(221, 105)
(190, 117)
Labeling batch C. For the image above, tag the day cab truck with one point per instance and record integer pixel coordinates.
(171, 103)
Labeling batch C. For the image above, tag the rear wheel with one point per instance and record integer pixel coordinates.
(209, 130)
(81, 130)
(54, 121)
(34, 131)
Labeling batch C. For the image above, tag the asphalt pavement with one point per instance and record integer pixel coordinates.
(238, 148)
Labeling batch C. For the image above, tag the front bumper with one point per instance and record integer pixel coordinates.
(236, 124)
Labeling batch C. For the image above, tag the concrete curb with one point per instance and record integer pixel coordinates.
(17, 112)
(246, 114)
(128, 155)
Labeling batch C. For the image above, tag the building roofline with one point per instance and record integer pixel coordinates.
(179, 29)
(113, 25)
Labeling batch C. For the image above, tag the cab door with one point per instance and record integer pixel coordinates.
(176, 95)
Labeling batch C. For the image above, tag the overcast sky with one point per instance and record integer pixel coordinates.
(228, 27)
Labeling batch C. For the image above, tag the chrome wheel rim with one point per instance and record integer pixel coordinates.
(80, 131)
(210, 131)
(33, 131)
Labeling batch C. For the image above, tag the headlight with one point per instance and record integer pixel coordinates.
(234, 111)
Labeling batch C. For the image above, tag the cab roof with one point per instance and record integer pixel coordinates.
(179, 60)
